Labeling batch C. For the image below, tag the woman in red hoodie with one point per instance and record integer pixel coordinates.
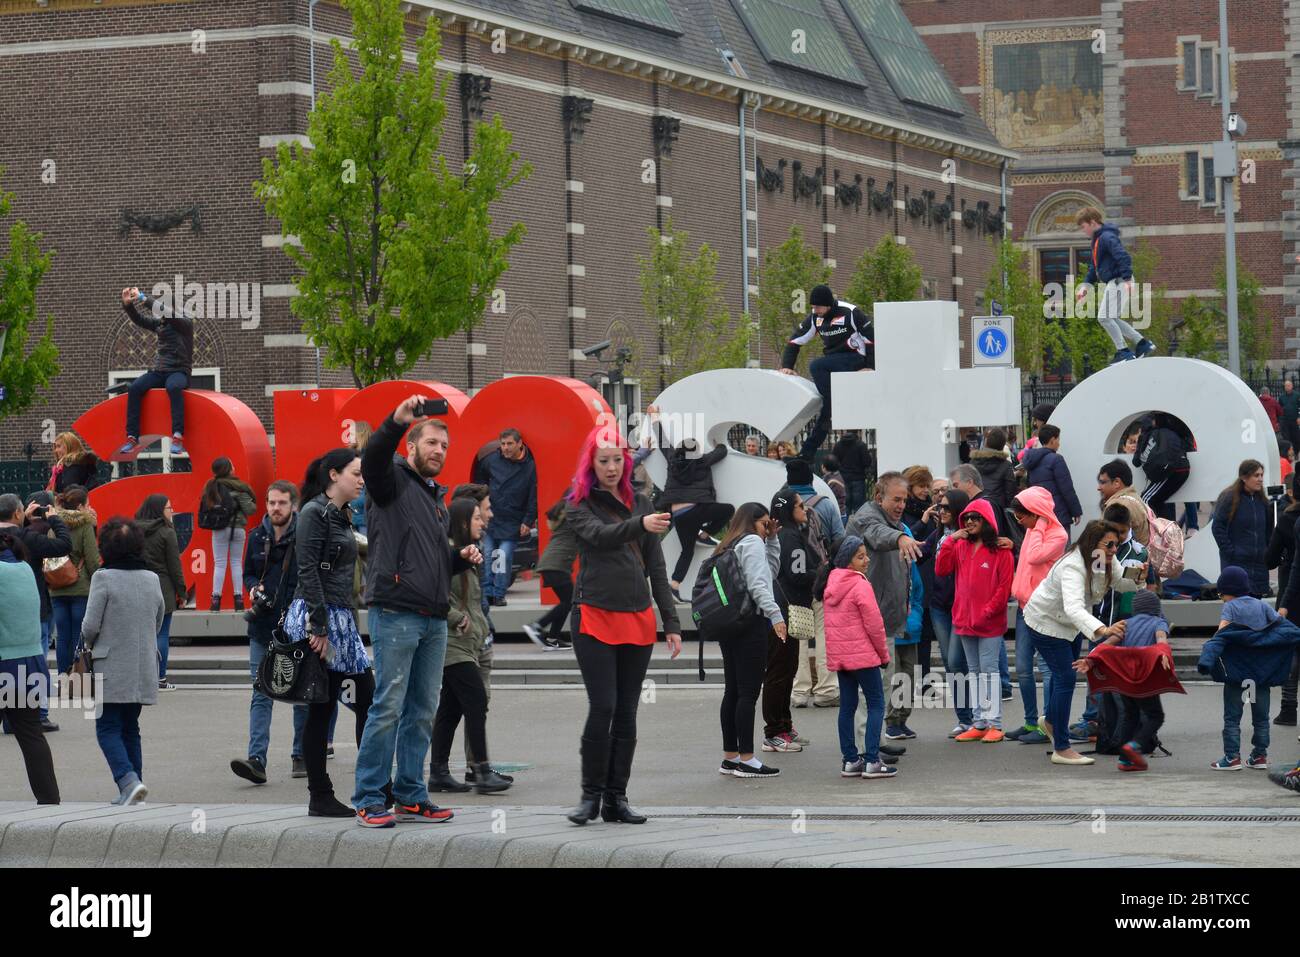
(979, 611)
(856, 650)
(1044, 543)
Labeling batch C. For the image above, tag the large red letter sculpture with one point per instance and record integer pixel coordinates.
(215, 424)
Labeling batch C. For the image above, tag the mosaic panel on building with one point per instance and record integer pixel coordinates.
(1043, 88)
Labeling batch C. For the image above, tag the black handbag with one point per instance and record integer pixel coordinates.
(292, 671)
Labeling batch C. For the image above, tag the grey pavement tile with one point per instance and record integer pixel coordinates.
(1006, 856)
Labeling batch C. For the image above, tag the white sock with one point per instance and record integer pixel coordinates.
(753, 763)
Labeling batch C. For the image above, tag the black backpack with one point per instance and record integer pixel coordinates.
(720, 601)
(219, 516)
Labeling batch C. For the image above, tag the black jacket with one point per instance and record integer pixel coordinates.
(1243, 539)
(39, 547)
(690, 480)
(1000, 484)
(513, 486)
(326, 553)
(175, 339)
(1160, 451)
(798, 570)
(264, 563)
(844, 328)
(611, 573)
(410, 560)
(854, 458)
(84, 472)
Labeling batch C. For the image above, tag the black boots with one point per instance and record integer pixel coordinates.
(595, 764)
(615, 810)
(487, 781)
(440, 779)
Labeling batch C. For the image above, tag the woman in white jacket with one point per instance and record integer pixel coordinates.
(1059, 614)
(753, 535)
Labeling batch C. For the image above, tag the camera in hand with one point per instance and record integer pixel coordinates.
(431, 407)
(260, 608)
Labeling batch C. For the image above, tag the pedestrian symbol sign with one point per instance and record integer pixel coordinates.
(992, 338)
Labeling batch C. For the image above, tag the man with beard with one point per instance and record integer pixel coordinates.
(408, 583)
(270, 577)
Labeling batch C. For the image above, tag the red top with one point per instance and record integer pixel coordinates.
(618, 627)
(1135, 672)
(983, 584)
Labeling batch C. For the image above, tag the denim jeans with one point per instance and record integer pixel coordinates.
(1090, 701)
(855, 494)
(1059, 655)
(868, 679)
(118, 731)
(1025, 671)
(409, 650)
(820, 370)
(1234, 704)
(68, 615)
(259, 711)
(45, 668)
(1004, 669)
(164, 641)
(954, 663)
(498, 553)
(174, 382)
(984, 684)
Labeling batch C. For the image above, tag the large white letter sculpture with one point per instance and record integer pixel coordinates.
(1225, 417)
(919, 394)
(777, 405)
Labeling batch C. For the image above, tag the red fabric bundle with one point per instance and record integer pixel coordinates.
(1136, 672)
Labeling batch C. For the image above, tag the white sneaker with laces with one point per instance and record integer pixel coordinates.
(960, 729)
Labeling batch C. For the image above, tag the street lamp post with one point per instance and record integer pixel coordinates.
(1225, 170)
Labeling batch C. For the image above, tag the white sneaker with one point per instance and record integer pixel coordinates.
(534, 635)
(779, 743)
(960, 729)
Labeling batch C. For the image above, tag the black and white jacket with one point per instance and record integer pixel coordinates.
(845, 328)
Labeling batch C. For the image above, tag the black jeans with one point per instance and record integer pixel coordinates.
(562, 584)
(174, 382)
(855, 494)
(820, 370)
(744, 659)
(612, 675)
(26, 725)
(1157, 493)
(1289, 687)
(463, 694)
(1139, 720)
(710, 516)
(778, 684)
(319, 717)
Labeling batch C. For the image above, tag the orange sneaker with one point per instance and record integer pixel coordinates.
(974, 734)
(993, 736)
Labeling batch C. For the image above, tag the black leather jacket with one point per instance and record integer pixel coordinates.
(327, 552)
(175, 338)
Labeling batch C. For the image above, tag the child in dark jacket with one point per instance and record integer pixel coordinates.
(1046, 468)
(979, 611)
(1112, 269)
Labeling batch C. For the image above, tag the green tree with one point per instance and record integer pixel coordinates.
(1254, 328)
(1200, 330)
(682, 294)
(23, 372)
(886, 273)
(1159, 308)
(786, 278)
(396, 250)
(1012, 285)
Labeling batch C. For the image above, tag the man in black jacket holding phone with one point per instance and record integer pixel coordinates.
(408, 588)
(171, 369)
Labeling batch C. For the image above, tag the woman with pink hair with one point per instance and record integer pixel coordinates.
(620, 571)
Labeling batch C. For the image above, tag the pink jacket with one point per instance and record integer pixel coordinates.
(855, 632)
(1043, 544)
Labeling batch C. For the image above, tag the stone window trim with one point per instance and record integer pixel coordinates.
(1198, 48)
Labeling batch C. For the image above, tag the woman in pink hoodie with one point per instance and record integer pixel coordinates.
(856, 650)
(979, 611)
(1044, 543)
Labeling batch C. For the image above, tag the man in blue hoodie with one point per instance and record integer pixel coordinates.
(1113, 269)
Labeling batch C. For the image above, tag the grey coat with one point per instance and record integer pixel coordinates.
(123, 614)
(890, 578)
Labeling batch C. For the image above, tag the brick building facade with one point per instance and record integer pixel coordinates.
(139, 116)
(1116, 103)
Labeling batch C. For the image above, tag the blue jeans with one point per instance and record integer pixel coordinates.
(954, 662)
(820, 370)
(1091, 703)
(984, 686)
(1004, 669)
(498, 553)
(174, 382)
(164, 640)
(409, 650)
(1059, 655)
(118, 731)
(68, 615)
(868, 679)
(45, 668)
(259, 711)
(1233, 707)
(1025, 671)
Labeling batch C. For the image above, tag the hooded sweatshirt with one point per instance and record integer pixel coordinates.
(855, 632)
(1042, 546)
(979, 607)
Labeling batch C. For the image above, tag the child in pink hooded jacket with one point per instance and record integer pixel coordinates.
(1044, 543)
(856, 650)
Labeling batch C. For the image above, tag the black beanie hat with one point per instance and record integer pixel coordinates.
(798, 472)
(822, 296)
